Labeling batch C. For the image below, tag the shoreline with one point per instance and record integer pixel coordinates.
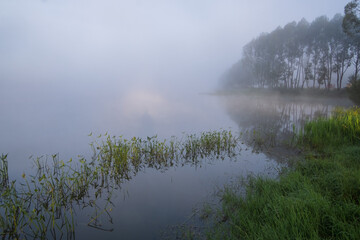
(318, 198)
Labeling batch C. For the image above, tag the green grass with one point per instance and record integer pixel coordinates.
(318, 199)
(342, 128)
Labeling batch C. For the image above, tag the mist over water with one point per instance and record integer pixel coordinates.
(132, 68)
(69, 68)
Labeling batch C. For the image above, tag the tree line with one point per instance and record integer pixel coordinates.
(300, 55)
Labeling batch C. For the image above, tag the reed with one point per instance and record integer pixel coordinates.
(43, 205)
(119, 157)
(4, 174)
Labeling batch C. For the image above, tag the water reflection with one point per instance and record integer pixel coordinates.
(41, 119)
(153, 197)
(60, 194)
(269, 121)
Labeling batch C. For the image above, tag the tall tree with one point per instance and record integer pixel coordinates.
(351, 26)
(302, 54)
(342, 55)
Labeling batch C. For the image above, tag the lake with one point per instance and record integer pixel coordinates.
(40, 121)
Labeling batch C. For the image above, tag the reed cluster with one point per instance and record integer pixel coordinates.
(121, 158)
(43, 205)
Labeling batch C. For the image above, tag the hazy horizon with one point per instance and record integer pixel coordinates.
(129, 67)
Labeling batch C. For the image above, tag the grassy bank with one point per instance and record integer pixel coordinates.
(318, 199)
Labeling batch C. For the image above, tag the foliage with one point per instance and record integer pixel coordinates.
(351, 26)
(299, 55)
(351, 22)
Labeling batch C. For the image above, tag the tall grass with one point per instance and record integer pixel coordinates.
(318, 199)
(343, 127)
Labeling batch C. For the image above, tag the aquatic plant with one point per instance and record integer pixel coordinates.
(43, 205)
(119, 157)
(4, 175)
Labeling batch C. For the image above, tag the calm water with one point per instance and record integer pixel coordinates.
(39, 119)
(43, 120)
(136, 68)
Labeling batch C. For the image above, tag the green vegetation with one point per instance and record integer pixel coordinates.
(121, 158)
(318, 199)
(43, 205)
(342, 128)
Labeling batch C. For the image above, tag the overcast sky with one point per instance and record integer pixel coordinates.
(152, 44)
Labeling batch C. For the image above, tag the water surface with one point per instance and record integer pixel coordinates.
(60, 120)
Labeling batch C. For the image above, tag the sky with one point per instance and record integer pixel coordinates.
(97, 44)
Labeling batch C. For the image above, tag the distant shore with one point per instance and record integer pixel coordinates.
(311, 92)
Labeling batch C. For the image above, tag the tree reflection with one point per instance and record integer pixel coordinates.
(270, 121)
